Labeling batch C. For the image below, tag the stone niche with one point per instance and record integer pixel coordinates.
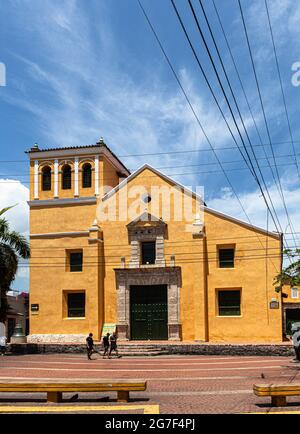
(170, 276)
(146, 228)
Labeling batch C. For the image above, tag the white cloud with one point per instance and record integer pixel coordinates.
(13, 192)
(255, 207)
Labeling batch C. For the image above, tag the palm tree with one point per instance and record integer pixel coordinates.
(12, 246)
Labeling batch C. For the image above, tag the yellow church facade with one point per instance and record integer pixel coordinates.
(144, 253)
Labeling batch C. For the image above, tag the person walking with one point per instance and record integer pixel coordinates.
(90, 345)
(113, 345)
(2, 345)
(296, 340)
(105, 342)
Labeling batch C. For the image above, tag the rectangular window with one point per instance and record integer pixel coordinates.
(295, 293)
(76, 305)
(229, 303)
(226, 258)
(75, 259)
(148, 252)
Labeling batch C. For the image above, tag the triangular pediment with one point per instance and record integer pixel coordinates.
(146, 220)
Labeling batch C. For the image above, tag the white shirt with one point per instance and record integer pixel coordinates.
(296, 336)
(2, 341)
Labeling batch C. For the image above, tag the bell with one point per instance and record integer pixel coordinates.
(18, 336)
(18, 331)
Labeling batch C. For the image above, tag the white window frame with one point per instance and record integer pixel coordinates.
(295, 292)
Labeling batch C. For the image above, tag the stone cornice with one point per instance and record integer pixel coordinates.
(68, 201)
(60, 234)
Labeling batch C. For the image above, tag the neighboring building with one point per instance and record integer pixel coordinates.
(18, 312)
(156, 276)
(291, 307)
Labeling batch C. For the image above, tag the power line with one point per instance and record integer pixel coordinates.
(204, 258)
(221, 148)
(210, 239)
(281, 86)
(240, 80)
(232, 93)
(167, 174)
(191, 106)
(264, 114)
(252, 170)
(23, 174)
(243, 89)
(214, 250)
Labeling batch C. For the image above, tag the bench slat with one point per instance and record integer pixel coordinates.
(55, 389)
(72, 387)
(276, 389)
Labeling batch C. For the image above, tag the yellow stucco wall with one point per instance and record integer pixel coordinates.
(287, 289)
(201, 277)
(257, 321)
(49, 282)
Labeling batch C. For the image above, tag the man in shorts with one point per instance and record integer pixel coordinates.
(90, 345)
(105, 341)
(113, 345)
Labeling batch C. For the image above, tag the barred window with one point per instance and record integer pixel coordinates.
(86, 175)
(76, 261)
(226, 258)
(76, 305)
(46, 178)
(66, 177)
(229, 303)
(148, 252)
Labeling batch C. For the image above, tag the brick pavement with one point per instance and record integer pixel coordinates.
(178, 384)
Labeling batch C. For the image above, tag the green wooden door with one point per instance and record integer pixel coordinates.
(149, 312)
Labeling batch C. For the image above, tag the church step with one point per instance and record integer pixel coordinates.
(142, 354)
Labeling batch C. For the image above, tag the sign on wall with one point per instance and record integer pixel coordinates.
(108, 327)
(34, 308)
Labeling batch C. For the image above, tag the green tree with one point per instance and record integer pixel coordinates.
(12, 247)
(290, 275)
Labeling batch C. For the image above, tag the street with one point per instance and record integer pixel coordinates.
(175, 384)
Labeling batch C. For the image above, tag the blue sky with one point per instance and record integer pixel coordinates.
(77, 70)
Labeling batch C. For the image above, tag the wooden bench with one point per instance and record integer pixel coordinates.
(278, 392)
(55, 388)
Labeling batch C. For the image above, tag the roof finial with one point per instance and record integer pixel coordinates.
(101, 141)
(35, 147)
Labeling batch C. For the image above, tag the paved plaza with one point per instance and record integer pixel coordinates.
(175, 384)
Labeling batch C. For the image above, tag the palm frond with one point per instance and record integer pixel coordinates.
(2, 211)
(19, 243)
(4, 228)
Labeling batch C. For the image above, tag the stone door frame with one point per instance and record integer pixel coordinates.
(170, 276)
